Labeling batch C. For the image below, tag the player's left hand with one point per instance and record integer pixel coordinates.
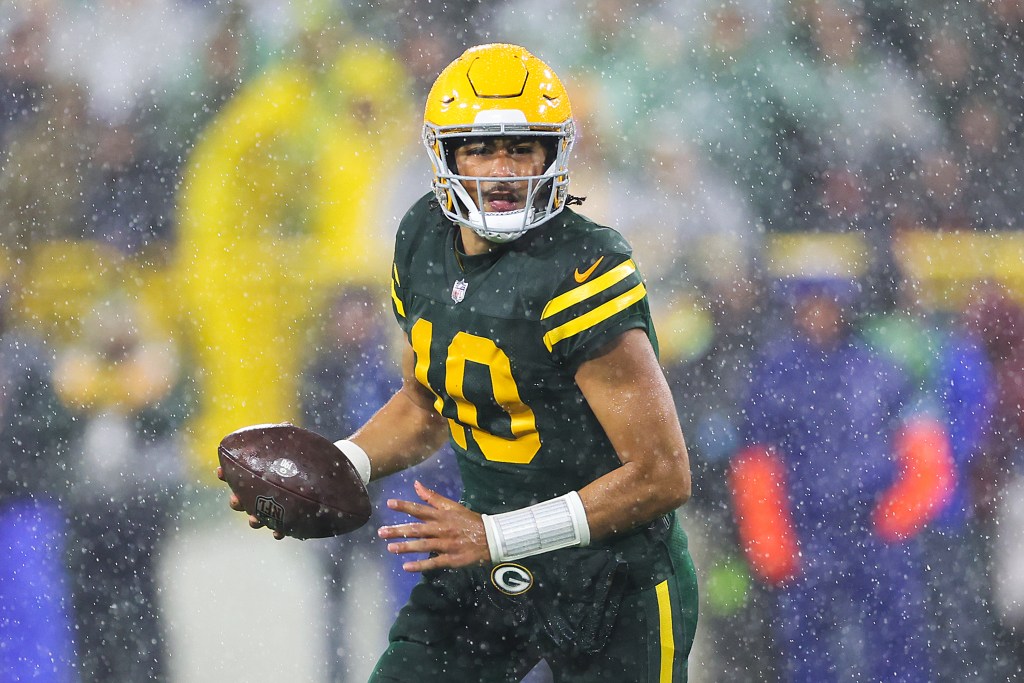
(453, 533)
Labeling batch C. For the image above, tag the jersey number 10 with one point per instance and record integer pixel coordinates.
(524, 442)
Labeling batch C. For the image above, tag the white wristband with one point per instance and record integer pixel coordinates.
(357, 456)
(557, 523)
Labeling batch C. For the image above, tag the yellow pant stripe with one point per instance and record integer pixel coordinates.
(668, 645)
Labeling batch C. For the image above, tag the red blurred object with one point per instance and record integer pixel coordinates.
(927, 477)
(294, 481)
(758, 484)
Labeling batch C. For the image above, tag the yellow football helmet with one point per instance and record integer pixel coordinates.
(499, 90)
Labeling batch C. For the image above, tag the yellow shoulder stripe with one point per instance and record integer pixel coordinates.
(595, 316)
(595, 286)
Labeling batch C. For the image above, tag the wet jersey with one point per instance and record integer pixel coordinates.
(498, 338)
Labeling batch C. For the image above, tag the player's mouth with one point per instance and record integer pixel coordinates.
(501, 200)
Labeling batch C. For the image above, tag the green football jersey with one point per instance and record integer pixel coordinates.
(498, 338)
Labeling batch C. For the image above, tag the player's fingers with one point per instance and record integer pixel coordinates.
(421, 565)
(410, 508)
(433, 498)
(254, 522)
(234, 503)
(278, 535)
(220, 472)
(411, 530)
(427, 545)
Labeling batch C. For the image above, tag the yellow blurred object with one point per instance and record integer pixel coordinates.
(816, 255)
(946, 266)
(60, 280)
(277, 206)
(85, 381)
(686, 330)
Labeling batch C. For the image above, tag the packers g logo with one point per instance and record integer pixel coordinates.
(511, 579)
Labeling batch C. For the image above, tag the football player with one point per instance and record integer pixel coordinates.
(532, 350)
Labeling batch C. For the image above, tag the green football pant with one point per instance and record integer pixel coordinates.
(435, 639)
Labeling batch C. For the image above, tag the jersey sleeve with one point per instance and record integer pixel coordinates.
(594, 304)
(397, 295)
(410, 229)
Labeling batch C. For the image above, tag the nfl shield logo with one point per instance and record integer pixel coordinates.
(270, 512)
(459, 290)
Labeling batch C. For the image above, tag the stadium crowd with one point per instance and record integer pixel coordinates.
(189, 189)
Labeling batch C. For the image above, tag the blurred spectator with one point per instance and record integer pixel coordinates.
(125, 53)
(817, 457)
(937, 196)
(871, 106)
(23, 72)
(976, 77)
(350, 378)
(749, 107)
(427, 37)
(279, 203)
(128, 193)
(683, 214)
(999, 320)
(35, 605)
(997, 32)
(991, 160)
(706, 350)
(125, 385)
(229, 57)
(951, 382)
(42, 178)
(633, 80)
(946, 68)
(895, 26)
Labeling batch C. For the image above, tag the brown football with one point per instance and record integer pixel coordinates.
(294, 480)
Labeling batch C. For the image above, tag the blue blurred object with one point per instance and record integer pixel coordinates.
(35, 623)
(844, 291)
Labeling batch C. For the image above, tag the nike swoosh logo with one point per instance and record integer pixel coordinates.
(582, 277)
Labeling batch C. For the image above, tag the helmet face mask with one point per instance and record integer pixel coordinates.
(498, 91)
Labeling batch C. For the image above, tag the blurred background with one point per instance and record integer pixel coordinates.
(197, 205)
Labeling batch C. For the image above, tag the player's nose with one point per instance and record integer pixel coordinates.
(502, 165)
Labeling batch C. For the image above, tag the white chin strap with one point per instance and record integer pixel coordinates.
(499, 227)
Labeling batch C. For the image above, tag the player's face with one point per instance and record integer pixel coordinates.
(500, 158)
